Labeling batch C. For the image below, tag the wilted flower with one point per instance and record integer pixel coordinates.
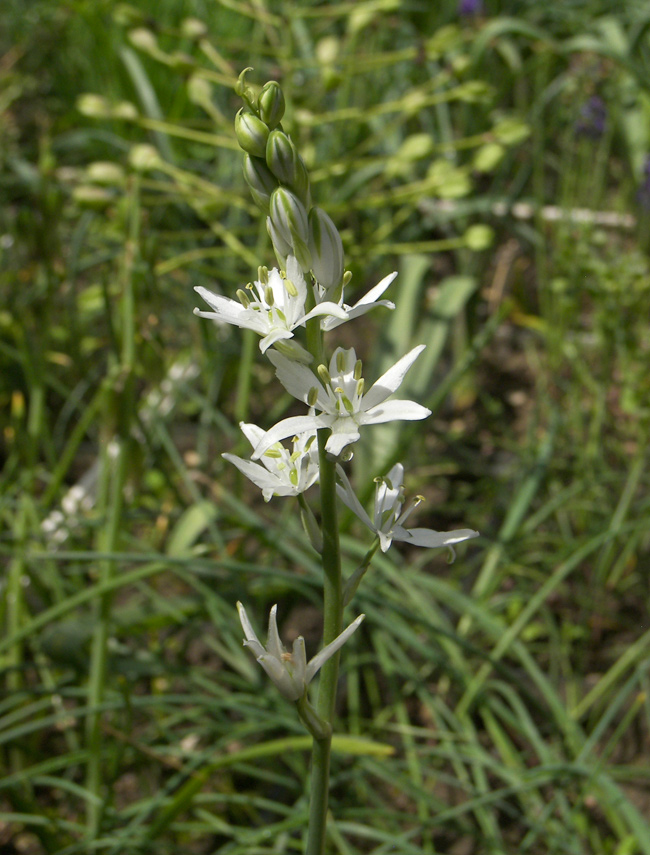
(389, 518)
(283, 472)
(344, 407)
(289, 671)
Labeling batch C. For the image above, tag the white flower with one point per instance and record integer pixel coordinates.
(284, 472)
(365, 304)
(274, 311)
(341, 400)
(289, 671)
(388, 518)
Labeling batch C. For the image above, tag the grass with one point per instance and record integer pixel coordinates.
(498, 704)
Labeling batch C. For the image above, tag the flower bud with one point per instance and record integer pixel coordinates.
(260, 179)
(281, 247)
(289, 220)
(285, 163)
(251, 133)
(326, 250)
(270, 104)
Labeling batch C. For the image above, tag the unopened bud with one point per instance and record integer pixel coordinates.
(244, 91)
(260, 179)
(289, 219)
(285, 163)
(326, 250)
(144, 40)
(281, 247)
(294, 351)
(251, 133)
(270, 104)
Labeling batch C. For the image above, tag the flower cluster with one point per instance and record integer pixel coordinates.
(307, 288)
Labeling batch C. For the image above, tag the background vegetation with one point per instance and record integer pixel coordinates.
(496, 154)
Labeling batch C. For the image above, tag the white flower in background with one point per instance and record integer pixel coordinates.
(365, 304)
(344, 407)
(283, 472)
(273, 308)
(289, 671)
(389, 518)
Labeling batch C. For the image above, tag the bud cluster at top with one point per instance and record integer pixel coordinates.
(279, 183)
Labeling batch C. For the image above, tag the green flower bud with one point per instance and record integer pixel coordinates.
(326, 250)
(285, 163)
(270, 104)
(260, 179)
(281, 247)
(289, 220)
(251, 133)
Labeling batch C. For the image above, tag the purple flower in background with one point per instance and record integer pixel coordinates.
(470, 8)
(593, 118)
(643, 193)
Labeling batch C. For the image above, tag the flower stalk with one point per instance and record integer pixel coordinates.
(291, 308)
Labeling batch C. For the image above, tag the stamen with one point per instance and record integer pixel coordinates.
(292, 291)
(263, 275)
(340, 362)
(268, 295)
(324, 375)
(242, 296)
(357, 370)
(312, 397)
(360, 387)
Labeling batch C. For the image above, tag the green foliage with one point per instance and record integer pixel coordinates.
(512, 686)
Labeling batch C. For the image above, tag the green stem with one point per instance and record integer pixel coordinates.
(332, 620)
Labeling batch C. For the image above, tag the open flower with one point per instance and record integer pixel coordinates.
(290, 672)
(344, 407)
(273, 308)
(283, 472)
(365, 304)
(389, 518)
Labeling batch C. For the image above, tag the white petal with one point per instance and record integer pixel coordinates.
(321, 658)
(394, 410)
(259, 475)
(294, 273)
(392, 379)
(273, 644)
(252, 432)
(377, 291)
(297, 379)
(385, 540)
(431, 539)
(344, 432)
(331, 323)
(349, 498)
(251, 639)
(288, 427)
(280, 676)
(298, 665)
(276, 334)
(329, 309)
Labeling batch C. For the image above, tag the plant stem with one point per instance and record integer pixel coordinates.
(332, 619)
